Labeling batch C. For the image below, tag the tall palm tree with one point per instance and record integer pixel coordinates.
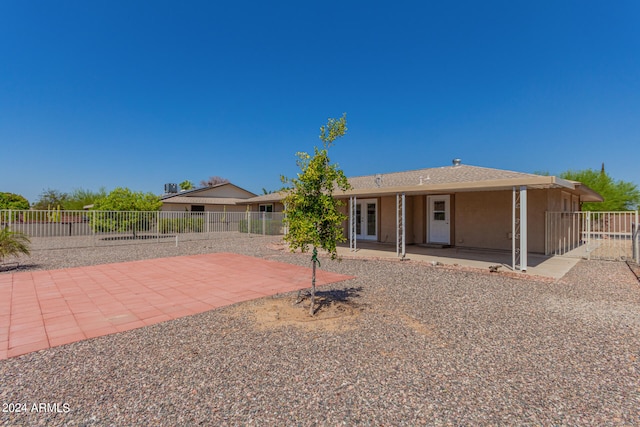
(13, 243)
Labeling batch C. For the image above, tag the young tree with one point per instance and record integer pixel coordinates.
(13, 201)
(13, 243)
(51, 199)
(137, 206)
(213, 180)
(618, 195)
(186, 185)
(80, 198)
(311, 212)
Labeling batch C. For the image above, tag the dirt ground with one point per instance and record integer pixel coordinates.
(334, 310)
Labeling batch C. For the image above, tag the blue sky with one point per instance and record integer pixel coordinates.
(142, 93)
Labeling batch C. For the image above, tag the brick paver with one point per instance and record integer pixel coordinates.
(44, 309)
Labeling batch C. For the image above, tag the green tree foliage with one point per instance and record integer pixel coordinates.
(80, 198)
(13, 201)
(51, 199)
(13, 243)
(77, 200)
(186, 185)
(137, 210)
(618, 195)
(311, 212)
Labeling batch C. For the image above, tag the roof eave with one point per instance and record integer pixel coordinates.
(535, 182)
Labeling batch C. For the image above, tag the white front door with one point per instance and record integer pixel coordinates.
(367, 219)
(438, 230)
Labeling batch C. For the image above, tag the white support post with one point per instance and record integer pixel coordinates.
(400, 225)
(523, 229)
(352, 224)
(519, 229)
(397, 224)
(514, 219)
(404, 227)
(588, 235)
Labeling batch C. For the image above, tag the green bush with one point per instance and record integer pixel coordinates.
(272, 226)
(13, 201)
(119, 222)
(181, 225)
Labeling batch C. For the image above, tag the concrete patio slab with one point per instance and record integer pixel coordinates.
(539, 265)
(43, 309)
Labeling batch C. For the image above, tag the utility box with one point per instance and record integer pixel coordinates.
(170, 188)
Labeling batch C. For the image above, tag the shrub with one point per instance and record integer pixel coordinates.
(272, 227)
(181, 225)
(13, 201)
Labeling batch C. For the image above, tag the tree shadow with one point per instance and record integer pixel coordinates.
(142, 237)
(17, 266)
(326, 299)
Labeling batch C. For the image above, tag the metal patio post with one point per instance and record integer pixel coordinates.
(523, 229)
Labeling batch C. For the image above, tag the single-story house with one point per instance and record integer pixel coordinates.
(459, 205)
(215, 198)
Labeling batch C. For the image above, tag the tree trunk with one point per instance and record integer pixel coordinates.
(313, 283)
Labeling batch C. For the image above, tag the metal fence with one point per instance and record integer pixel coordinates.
(67, 229)
(593, 235)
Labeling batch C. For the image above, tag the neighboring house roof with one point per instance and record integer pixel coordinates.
(458, 178)
(209, 189)
(180, 199)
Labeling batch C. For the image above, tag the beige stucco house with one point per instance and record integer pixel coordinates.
(216, 198)
(459, 205)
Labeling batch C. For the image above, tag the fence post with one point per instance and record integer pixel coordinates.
(588, 235)
(636, 240)
(264, 223)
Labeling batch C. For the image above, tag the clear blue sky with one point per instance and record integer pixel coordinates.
(141, 93)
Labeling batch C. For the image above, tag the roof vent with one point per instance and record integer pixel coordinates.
(378, 180)
(457, 162)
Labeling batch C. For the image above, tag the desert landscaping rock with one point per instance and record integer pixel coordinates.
(403, 343)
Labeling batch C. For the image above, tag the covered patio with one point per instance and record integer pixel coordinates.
(469, 213)
(538, 265)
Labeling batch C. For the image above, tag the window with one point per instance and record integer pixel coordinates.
(439, 213)
(265, 211)
(566, 202)
(197, 208)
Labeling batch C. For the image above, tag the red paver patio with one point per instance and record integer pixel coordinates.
(48, 308)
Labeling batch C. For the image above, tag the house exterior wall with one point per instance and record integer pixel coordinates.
(484, 219)
(184, 207)
(481, 219)
(387, 219)
(255, 207)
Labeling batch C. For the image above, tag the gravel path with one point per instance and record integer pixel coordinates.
(430, 346)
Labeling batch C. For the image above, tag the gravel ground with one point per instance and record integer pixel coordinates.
(430, 346)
